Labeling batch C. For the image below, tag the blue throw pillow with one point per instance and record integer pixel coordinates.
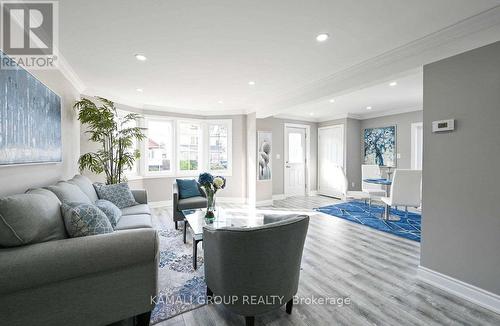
(119, 194)
(84, 219)
(188, 188)
(111, 210)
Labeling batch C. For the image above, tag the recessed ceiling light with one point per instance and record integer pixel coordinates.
(393, 83)
(322, 37)
(141, 57)
(251, 83)
(311, 114)
(140, 90)
(221, 102)
(332, 100)
(368, 107)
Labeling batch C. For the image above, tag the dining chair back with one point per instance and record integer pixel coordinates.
(371, 171)
(405, 188)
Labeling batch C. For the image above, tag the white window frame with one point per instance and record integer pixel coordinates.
(201, 150)
(229, 125)
(144, 152)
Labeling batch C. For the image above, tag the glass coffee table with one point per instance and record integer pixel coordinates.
(195, 219)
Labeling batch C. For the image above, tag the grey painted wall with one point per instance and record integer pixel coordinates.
(160, 188)
(403, 123)
(461, 219)
(266, 189)
(17, 179)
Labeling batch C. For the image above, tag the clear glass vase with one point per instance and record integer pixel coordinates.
(210, 213)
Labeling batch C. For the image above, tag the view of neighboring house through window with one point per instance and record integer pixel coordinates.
(159, 146)
(218, 147)
(189, 139)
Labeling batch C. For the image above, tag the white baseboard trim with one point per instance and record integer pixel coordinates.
(233, 200)
(268, 202)
(461, 289)
(279, 197)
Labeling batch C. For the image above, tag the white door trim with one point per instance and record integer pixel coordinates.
(414, 153)
(308, 154)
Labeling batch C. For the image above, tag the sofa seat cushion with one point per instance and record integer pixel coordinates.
(119, 194)
(69, 193)
(85, 185)
(112, 212)
(191, 203)
(134, 222)
(85, 219)
(30, 218)
(135, 210)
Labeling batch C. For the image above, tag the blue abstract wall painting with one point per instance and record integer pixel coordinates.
(30, 119)
(380, 146)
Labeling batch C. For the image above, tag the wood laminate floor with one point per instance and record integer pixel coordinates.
(375, 270)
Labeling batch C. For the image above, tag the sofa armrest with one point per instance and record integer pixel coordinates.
(140, 196)
(54, 261)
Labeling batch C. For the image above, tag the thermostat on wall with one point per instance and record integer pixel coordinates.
(443, 125)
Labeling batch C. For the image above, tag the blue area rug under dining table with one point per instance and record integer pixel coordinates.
(356, 211)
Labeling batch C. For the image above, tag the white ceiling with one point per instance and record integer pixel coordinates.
(200, 53)
(405, 96)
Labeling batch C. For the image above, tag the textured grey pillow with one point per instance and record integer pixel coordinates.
(119, 194)
(85, 185)
(69, 193)
(111, 210)
(84, 219)
(30, 218)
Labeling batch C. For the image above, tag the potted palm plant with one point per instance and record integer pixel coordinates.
(115, 136)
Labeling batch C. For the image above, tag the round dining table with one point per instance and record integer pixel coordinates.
(380, 181)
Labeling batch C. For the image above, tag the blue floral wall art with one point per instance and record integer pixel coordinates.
(380, 146)
(30, 119)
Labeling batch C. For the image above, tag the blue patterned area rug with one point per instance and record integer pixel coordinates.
(359, 212)
(181, 288)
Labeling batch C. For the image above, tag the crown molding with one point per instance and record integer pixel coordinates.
(470, 33)
(192, 112)
(70, 74)
(372, 115)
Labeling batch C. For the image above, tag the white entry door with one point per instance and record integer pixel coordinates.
(331, 160)
(295, 161)
(417, 145)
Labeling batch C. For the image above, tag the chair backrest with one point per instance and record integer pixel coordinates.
(258, 261)
(370, 171)
(405, 188)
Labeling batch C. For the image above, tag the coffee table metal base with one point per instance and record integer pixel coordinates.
(195, 244)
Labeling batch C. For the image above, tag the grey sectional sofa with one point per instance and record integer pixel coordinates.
(50, 279)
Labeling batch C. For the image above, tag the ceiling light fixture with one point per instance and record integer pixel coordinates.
(311, 114)
(140, 90)
(322, 37)
(221, 102)
(251, 83)
(140, 57)
(393, 83)
(368, 107)
(332, 100)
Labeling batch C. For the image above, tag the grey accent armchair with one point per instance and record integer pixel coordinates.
(187, 203)
(260, 262)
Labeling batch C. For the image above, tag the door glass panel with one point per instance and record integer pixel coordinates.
(295, 148)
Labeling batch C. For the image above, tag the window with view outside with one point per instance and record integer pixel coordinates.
(189, 146)
(159, 146)
(218, 147)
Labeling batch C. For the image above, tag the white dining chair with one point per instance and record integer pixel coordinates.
(372, 171)
(405, 190)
